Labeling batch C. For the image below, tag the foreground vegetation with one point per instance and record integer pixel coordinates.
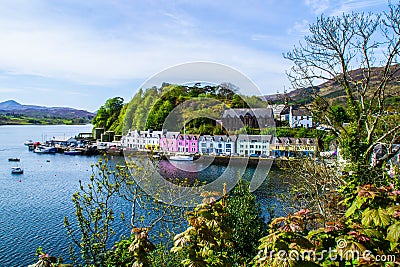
(338, 214)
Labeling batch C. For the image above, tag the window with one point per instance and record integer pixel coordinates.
(251, 146)
(203, 144)
(219, 145)
(228, 145)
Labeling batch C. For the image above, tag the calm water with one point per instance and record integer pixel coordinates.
(33, 205)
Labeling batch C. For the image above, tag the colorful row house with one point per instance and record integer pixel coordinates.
(142, 140)
(242, 144)
(293, 147)
(176, 142)
(217, 144)
(253, 144)
(160, 141)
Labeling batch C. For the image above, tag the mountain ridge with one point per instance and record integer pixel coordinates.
(14, 109)
(332, 91)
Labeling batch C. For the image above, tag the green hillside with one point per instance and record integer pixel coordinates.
(149, 108)
(333, 92)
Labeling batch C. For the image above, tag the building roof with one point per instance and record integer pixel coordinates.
(294, 140)
(254, 138)
(257, 112)
(223, 138)
(300, 112)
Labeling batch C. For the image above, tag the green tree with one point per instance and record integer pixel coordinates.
(94, 216)
(107, 116)
(206, 240)
(245, 222)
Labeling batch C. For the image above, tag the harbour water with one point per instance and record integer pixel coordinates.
(33, 205)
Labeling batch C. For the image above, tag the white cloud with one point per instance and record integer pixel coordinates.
(334, 8)
(10, 90)
(72, 51)
(318, 6)
(346, 6)
(300, 27)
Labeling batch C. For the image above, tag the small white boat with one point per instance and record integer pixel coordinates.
(181, 158)
(45, 149)
(28, 142)
(17, 170)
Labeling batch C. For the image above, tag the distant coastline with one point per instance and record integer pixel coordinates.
(14, 113)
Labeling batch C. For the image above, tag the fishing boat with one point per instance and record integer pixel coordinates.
(181, 158)
(45, 149)
(72, 152)
(14, 159)
(17, 170)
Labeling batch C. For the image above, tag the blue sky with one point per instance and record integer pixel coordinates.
(80, 53)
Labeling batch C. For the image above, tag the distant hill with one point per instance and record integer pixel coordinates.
(10, 109)
(333, 92)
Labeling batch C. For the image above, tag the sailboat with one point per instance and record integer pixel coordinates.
(182, 157)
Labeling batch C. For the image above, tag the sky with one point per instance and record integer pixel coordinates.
(80, 53)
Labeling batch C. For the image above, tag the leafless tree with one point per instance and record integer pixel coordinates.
(360, 53)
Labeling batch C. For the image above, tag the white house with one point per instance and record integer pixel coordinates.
(142, 140)
(253, 144)
(218, 144)
(300, 117)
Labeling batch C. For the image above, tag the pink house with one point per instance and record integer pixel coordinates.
(175, 142)
(188, 144)
(169, 142)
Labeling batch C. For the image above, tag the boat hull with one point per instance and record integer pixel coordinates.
(72, 153)
(181, 158)
(17, 171)
(45, 150)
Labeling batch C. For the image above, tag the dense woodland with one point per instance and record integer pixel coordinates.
(149, 108)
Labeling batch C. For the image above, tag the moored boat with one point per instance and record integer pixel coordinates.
(17, 170)
(72, 152)
(14, 159)
(181, 158)
(45, 149)
(28, 142)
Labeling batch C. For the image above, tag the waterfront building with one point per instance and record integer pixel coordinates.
(175, 142)
(292, 147)
(168, 142)
(234, 119)
(142, 140)
(218, 144)
(188, 144)
(253, 144)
